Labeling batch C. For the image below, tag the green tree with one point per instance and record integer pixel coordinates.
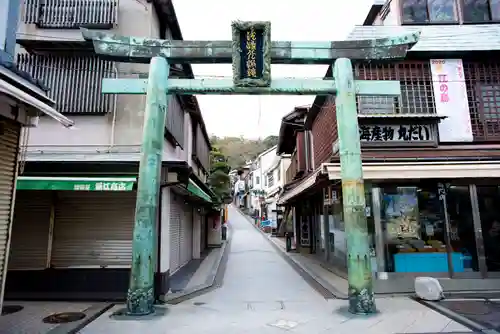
(270, 141)
(219, 180)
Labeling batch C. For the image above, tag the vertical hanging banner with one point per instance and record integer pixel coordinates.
(251, 54)
(450, 96)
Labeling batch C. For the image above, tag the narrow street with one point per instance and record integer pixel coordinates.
(257, 277)
(262, 293)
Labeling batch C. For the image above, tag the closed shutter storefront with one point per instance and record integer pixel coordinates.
(93, 229)
(9, 141)
(175, 232)
(30, 230)
(187, 235)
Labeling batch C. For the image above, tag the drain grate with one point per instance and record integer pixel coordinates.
(9, 309)
(64, 317)
(199, 303)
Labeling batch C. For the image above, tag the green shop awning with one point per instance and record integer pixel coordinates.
(197, 191)
(76, 183)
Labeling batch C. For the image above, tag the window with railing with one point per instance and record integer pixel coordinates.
(417, 95)
(71, 14)
(74, 81)
(483, 94)
(429, 11)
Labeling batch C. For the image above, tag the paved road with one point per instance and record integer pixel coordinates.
(261, 293)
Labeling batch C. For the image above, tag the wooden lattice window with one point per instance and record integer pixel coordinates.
(417, 95)
(489, 102)
(483, 93)
(489, 96)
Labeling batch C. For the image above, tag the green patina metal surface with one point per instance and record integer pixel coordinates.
(361, 298)
(140, 297)
(237, 27)
(226, 87)
(141, 50)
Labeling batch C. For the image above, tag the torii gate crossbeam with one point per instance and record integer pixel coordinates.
(141, 50)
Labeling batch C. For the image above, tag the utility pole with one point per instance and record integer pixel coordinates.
(361, 298)
(140, 297)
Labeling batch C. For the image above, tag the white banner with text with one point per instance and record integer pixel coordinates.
(450, 96)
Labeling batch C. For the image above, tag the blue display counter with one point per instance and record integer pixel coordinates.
(427, 262)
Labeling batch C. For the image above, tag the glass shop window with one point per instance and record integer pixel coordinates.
(414, 226)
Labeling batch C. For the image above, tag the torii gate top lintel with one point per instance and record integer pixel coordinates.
(251, 53)
(141, 50)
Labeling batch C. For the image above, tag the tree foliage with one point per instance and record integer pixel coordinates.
(238, 150)
(219, 180)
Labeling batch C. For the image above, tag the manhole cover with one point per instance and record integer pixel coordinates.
(469, 308)
(61, 318)
(9, 309)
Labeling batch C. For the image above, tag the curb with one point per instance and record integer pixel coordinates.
(327, 290)
(213, 280)
(455, 316)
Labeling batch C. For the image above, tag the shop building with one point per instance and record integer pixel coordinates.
(22, 101)
(73, 222)
(430, 158)
(259, 182)
(275, 176)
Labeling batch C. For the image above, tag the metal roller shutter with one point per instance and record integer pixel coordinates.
(30, 230)
(93, 229)
(175, 232)
(187, 235)
(9, 142)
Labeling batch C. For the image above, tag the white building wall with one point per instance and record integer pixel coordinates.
(116, 135)
(90, 139)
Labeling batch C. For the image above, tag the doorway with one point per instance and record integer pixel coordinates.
(488, 198)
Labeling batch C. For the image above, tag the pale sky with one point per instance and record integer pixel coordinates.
(293, 20)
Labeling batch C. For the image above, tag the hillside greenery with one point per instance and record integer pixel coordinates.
(238, 150)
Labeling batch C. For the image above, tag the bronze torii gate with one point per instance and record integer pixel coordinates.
(251, 53)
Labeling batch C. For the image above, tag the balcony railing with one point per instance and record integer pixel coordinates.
(71, 14)
(74, 82)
